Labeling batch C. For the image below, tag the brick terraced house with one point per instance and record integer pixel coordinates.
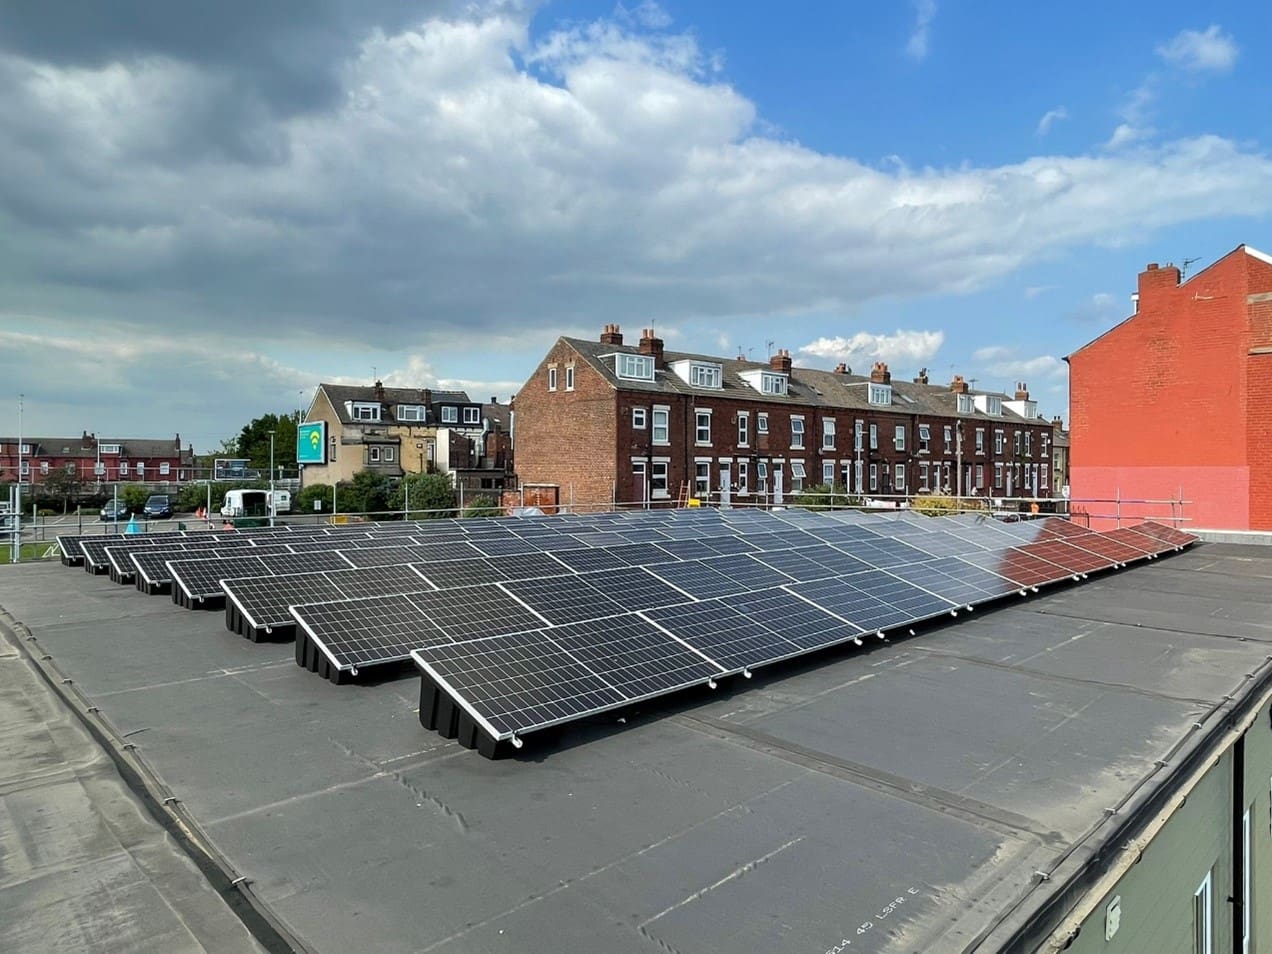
(1176, 401)
(90, 459)
(605, 421)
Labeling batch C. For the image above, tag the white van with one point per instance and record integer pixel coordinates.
(245, 503)
(282, 501)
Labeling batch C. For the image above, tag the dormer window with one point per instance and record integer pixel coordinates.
(773, 383)
(704, 375)
(472, 415)
(965, 405)
(363, 411)
(410, 412)
(990, 404)
(880, 394)
(109, 448)
(450, 415)
(634, 367)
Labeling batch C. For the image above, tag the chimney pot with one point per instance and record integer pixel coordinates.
(879, 374)
(958, 385)
(612, 335)
(841, 368)
(652, 346)
(922, 377)
(1152, 267)
(781, 361)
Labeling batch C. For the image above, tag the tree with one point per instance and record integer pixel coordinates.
(134, 496)
(253, 442)
(61, 485)
(368, 492)
(320, 492)
(431, 495)
(483, 506)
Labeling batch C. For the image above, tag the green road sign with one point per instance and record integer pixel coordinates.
(311, 443)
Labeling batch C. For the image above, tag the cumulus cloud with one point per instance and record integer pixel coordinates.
(1099, 308)
(924, 14)
(864, 347)
(1006, 364)
(1050, 118)
(1201, 51)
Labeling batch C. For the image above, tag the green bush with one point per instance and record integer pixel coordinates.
(304, 502)
(824, 497)
(483, 506)
(134, 497)
(431, 495)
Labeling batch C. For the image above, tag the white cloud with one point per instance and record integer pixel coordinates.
(1050, 118)
(1208, 51)
(991, 353)
(924, 14)
(1100, 308)
(1005, 363)
(1033, 291)
(863, 347)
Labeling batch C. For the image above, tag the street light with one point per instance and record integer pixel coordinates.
(271, 478)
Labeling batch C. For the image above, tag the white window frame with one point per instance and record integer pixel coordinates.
(663, 465)
(364, 412)
(472, 415)
(777, 384)
(980, 440)
(923, 476)
(744, 429)
(1203, 916)
(70, 467)
(702, 478)
(828, 473)
(858, 435)
(552, 378)
(743, 477)
(389, 454)
(569, 377)
(1028, 444)
(141, 469)
(925, 438)
(450, 415)
(874, 436)
(1000, 441)
(828, 436)
(701, 415)
(411, 412)
(44, 467)
(874, 477)
(1045, 439)
(998, 474)
(898, 437)
(949, 436)
(980, 477)
(123, 468)
(898, 481)
(640, 418)
(705, 375)
(634, 367)
(24, 449)
(798, 475)
(761, 486)
(661, 425)
(880, 395)
(966, 404)
(797, 431)
(761, 423)
(110, 448)
(165, 469)
(373, 454)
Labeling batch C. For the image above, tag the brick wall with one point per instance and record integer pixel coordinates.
(567, 437)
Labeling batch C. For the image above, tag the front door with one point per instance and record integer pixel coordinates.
(726, 478)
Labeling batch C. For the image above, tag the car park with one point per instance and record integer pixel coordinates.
(158, 507)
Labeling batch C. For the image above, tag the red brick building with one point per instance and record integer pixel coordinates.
(107, 460)
(1177, 399)
(610, 422)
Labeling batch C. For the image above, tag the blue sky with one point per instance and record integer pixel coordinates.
(201, 220)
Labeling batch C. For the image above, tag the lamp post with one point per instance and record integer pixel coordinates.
(271, 478)
(19, 500)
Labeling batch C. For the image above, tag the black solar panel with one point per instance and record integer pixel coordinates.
(722, 634)
(509, 546)
(476, 611)
(798, 566)
(642, 554)
(563, 599)
(636, 588)
(264, 600)
(850, 604)
(698, 579)
(376, 629)
(795, 620)
(748, 572)
(634, 656)
(694, 549)
(527, 566)
(589, 560)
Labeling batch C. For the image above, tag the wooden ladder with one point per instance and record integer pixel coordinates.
(682, 500)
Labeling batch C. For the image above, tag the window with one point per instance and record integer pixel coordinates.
(797, 432)
(704, 375)
(773, 383)
(994, 405)
(373, 454)
(569, 377)
(761, 480)
(123, 468)
(141, 469)
(857, 466)
(999, 442)
(1028, 449)
(923, 475)
(1017, 436)
(874, 477)
(661, 432)
(828, 472)
(640, 418)
(743, 474)
(1045, 476)
(998, 475)
(702, 427)
(797, 475)
(1046, 442)
(980, 476)
(949, 436)
(331, 449)
(638, 479)
(702, 479)
(110, 448)
(744, 429)
(366, 412)
(761, 423)
(25, 468)
(165, 469)
(1203, 928)
(552, 379)
(857, 430)
(898, 437)
(472, 415)
(965, 405)
(24, 449)
(925, 438)
(658, 478)
(980, 440)
(880, 394)
(410, 412)
(828, 437)
(874, 436)
(44, 467)
(635, 367)
(450, 415)
(899, 480)
(70, 466)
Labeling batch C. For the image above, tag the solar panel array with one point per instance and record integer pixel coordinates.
(517, 625)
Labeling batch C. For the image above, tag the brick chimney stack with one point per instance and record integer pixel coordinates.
(611, 335)
(1154, 280)
(427, 394)
(1057, 423)
(651, 345)
(1022, 391)
(958, 385)
(922, 377)
(880, 374)
(379, 391)
(781, 361)
(842, 368)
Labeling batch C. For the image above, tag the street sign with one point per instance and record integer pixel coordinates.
(311, 443)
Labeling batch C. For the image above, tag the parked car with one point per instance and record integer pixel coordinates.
(115, 510)
(158, 507)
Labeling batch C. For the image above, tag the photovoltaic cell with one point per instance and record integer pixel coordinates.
(850, 604)
(590, 560)
(342, 629)
(636, 588)
(1019, 566)
(461, 573)
(698, 579)
(634, 656)
(795, 620)
(476, 611)
(560, 600)
(723, 634)
(798, 566)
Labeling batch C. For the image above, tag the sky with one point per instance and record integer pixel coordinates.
(206, 210)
